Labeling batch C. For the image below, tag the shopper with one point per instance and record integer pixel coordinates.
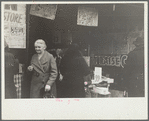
(11, 68)
(56, 54)
(134, 70)
(44, 70)
(73, 67)
(59, 77)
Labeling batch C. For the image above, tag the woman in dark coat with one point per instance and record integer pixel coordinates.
(11, 68)
(73, 67)
(44, 70)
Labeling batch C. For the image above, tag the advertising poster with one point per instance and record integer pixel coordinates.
(15, 25)
(44, 10)
(87, 16)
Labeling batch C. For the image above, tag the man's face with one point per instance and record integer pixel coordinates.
(39, 47)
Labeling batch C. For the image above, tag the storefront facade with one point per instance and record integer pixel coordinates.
(106, 42)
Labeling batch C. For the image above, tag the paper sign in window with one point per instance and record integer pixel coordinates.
(87, 16)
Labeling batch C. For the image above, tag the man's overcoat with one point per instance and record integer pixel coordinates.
(134, 73)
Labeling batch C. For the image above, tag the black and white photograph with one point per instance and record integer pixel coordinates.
(74, 60)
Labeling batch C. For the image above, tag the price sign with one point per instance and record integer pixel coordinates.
(97, 75)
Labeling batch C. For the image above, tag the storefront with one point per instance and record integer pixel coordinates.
(105, 32)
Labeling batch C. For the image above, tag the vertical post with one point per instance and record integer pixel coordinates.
(25, 86)
(88, 50)
(27, 31)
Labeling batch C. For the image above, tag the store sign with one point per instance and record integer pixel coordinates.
(118, 61)
(87, 16)
(15, 25)
(44, 10)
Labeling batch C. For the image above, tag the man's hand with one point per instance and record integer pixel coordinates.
(30, 68)
(47, 88)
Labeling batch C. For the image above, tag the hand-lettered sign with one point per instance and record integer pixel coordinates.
(15, 25)
(87, 16)
(44, 10)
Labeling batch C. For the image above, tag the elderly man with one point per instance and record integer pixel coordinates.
(11, 68)
(134, 70)
(44, 70)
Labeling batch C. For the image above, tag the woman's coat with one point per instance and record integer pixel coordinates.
(73, 68)
(44, 73)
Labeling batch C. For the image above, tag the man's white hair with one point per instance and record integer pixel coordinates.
(41, 41)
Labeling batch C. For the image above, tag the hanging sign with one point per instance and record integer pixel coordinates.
(44, 10)
(15, 25)
(87, 16)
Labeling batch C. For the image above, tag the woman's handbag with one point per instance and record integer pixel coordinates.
(46, 94)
